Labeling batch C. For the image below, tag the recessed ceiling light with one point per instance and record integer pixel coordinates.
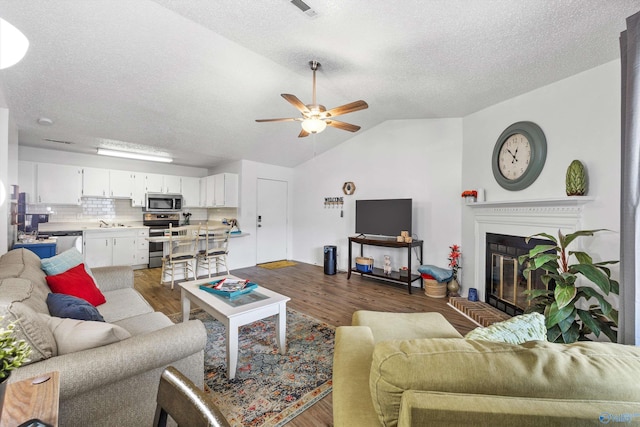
(45, 121)
(130, 155)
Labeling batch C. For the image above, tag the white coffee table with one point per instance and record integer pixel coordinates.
(237, 312)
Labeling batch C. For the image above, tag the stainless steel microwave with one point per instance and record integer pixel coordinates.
(160, 202)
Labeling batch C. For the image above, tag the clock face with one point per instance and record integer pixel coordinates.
(519, 156)
(514, 157)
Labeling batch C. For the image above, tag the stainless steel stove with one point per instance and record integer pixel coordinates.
(158, 223)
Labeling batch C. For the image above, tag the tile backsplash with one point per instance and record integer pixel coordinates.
(93, 209)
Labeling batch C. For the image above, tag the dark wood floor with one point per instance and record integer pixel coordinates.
(332, 299)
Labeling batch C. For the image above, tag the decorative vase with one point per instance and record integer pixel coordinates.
(3, 389)
(453, 287)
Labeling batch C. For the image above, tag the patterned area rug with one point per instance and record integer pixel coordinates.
(269, 388)
(277, 264)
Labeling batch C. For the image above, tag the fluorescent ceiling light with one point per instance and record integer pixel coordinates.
(13, 45)
(137, 156)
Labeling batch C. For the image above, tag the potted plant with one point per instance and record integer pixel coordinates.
(13, 353)
(567, 319)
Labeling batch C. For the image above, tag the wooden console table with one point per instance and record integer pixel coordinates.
(379, 272)
(24, 400)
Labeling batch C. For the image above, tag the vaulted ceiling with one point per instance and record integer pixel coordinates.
(189, 77)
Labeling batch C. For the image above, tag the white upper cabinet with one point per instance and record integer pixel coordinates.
(121, 184)
(27, 180)
(191, 192)
(154, 183)
(95, 182)
(58, 184)
(222, 190)
(139, 189)
(98, 182)
(172, 184)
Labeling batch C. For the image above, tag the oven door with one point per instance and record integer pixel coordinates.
(155, 248)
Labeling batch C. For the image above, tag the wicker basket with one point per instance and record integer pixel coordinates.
(434, 289)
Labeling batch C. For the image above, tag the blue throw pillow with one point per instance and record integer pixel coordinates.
(61, 262)
(62, 305)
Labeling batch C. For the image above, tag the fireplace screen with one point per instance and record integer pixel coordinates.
(506, 284)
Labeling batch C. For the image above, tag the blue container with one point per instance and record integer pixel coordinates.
(473, 294)
(364, 264)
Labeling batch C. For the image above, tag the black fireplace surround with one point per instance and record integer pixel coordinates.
(505, 283)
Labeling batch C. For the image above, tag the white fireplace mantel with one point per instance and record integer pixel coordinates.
(521, 218)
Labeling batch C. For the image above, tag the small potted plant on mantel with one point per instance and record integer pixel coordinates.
(13, 353)
(568, 318)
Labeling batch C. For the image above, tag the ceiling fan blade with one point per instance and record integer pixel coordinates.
(289, 119)
(293, 100)
(347, 108)
(303, 133)
(342, 125)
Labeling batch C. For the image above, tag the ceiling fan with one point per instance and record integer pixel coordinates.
(315, 117)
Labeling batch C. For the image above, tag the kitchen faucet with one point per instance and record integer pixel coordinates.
(102, 222)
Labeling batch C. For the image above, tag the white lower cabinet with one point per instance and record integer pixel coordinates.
(115, 247)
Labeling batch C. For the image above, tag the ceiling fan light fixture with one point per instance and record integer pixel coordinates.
(13, 45)
(314, 125)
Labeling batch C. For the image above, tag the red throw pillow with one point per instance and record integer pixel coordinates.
(78, 283)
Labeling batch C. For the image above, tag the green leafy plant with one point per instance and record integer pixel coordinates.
(565, 320)
(13, 352)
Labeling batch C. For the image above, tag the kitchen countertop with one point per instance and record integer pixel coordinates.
(163, 239)
(48, 227)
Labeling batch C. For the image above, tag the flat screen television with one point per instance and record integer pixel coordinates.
(385, 217)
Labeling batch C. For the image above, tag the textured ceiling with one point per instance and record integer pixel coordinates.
(189, 77)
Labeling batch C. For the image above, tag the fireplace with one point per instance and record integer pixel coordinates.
(513, 218)
(505, 283)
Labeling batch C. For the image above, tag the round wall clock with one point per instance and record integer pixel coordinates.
(519, 156)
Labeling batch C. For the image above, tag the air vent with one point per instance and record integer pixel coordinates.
(304, 8)
(58, 141)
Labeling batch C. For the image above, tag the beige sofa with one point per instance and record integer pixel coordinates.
(114, 384)
(416, 370)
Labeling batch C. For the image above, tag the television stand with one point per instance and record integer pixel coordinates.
(379, 272)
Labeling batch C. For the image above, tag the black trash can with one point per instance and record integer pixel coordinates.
(330, 262)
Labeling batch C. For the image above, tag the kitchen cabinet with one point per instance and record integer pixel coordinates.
(154, 183)
(111, 247)
(222, 190)
(203, 191)
(58, 184)
(98, 182)
(142, 247)
(95, 182)
(139, 189)
(121, 184)
(172, 184)
(191, 192)
(27, 180)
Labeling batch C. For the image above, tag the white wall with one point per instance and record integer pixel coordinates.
(242, 250)
(580, 117)
(418, 159)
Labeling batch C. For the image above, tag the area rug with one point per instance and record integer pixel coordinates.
(269, 389)
(277, 264)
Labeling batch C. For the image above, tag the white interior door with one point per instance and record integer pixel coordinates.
(272, 220)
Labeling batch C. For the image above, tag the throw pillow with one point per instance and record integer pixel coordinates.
(73, 335)
(517, 330)
(63, 262)
(62, 305)
(78, 283)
